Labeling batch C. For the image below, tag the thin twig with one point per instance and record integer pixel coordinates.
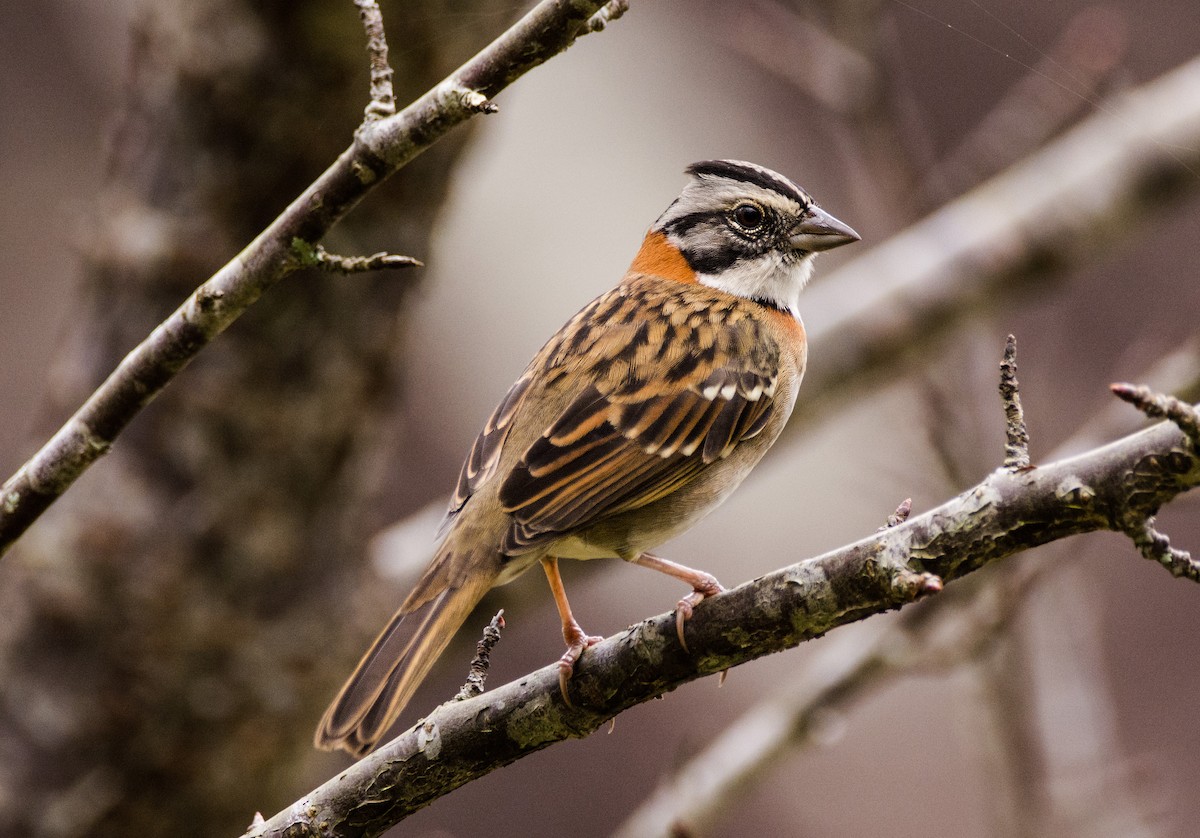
(900, 515)
(333, 263)
(612, 10)
(1016, 436)
(380, 148)
(1162, 406)
(1137, 524)
(1157, 547)
(477, 675)
(383, 99)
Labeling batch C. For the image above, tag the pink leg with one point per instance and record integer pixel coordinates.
(577, 639)
(703, 585)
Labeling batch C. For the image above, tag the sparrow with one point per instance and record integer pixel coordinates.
(636, 419)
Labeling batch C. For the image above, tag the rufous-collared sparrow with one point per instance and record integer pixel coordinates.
(644, 412)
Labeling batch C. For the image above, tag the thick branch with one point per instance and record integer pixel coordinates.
(698, 791)
(1008, 512)
(380, 148)
(691, 801)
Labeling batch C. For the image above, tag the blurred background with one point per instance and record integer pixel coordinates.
(174, 627)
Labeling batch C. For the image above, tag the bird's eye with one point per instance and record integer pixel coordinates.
(748, 216)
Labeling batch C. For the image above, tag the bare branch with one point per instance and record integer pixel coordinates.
(900, 515)
(612, 10)
(1161, 406)
(381, 146)
(1138, 525)
(1082, 193)
(383, 99)
(319, 257)
(1157, 547)
(1016, 445)
(844, 673)
(1006, 513)
(477, 676)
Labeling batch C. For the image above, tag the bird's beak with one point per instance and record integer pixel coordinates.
(819, 230)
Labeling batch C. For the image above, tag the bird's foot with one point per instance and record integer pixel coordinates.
(577, 640)
(705, 585)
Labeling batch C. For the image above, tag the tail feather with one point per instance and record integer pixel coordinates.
(401, 656)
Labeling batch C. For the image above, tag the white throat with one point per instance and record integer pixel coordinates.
(768, 279)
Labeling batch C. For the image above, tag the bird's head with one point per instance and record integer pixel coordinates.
(746, 230)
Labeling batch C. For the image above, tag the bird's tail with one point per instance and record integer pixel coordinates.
(403, 653)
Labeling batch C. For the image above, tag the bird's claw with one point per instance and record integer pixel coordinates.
(683, 611)
(566, 664)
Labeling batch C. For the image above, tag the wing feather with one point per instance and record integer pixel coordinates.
(639, 431)
(485, 453)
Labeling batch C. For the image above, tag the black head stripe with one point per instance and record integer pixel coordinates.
(683, 224)
(711, 260)
(735, 170)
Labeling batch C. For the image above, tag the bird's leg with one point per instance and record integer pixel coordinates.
(577, 639)
(703, 585)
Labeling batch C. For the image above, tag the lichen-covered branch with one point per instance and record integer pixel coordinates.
(381, 146)
(1007, 513)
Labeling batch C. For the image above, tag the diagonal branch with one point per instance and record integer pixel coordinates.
(381, 147)
(1087, 190)
(1007, 513)
(698, 791)
(693, 798)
